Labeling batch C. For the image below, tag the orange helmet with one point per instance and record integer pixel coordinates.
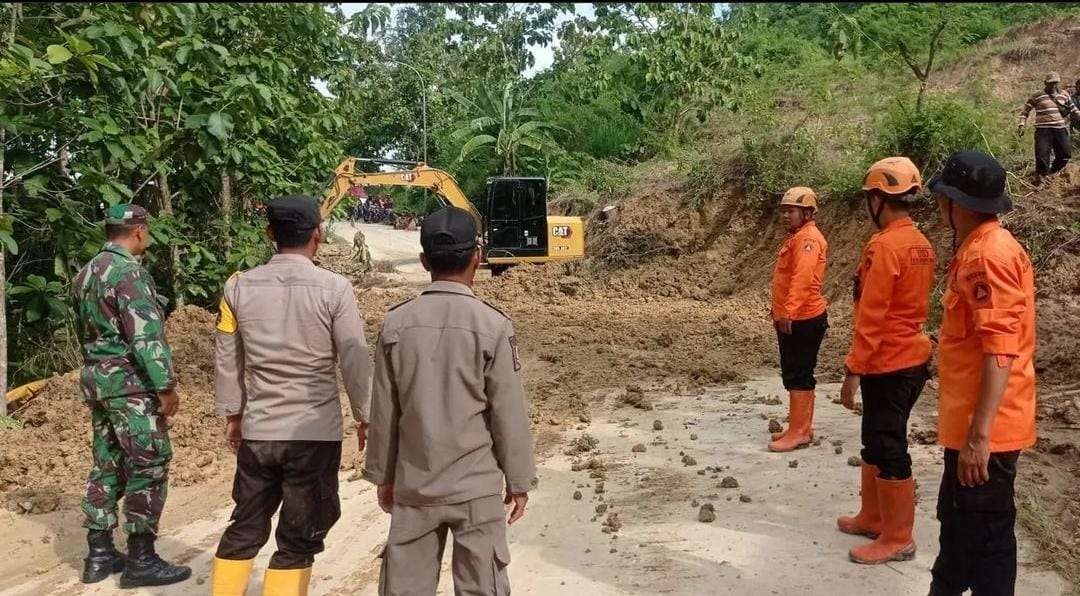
(800, 196)
(895, 176)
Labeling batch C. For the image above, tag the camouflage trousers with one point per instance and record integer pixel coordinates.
(361, 254)
(131, 450)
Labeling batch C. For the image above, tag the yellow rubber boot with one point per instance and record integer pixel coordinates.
(230, 578)
(800, 431)
(286, 582)
(868, 521)
(897, 500)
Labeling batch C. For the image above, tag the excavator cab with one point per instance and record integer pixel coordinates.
(516, 216)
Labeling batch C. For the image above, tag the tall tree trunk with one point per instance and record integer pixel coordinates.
(166, 207)
(3, 291)
(227, 208)
(9, 37)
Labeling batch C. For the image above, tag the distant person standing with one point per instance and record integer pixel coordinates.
(1054, 110)
(799, 312)
(129, 384)
(986, 399)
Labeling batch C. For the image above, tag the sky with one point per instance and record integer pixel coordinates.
(545, 56)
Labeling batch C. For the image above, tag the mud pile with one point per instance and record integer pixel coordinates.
(52, 451)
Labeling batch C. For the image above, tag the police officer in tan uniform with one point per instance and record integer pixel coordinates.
(449, 444)
(284, 330)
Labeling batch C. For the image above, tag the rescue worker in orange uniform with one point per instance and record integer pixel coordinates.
(986, 402)
(799, 312)
(889, 359)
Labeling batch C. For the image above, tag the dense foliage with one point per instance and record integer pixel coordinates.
(200, 112)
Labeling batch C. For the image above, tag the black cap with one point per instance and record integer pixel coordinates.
(974, 180)
(295, 213)
(448, 230)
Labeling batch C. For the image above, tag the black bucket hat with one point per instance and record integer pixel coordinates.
(974, 180)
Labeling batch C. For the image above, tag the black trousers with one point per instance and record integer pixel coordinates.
(887, 402)
(1051, 141)
(301, 477)
(799, 352)
(978, 539)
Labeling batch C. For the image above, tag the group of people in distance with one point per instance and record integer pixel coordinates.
(985, 362)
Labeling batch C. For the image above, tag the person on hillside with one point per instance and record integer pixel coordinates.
(799, 312)
(449, 432)
(986, 401)
(129, 384)
(282, 330)
(889, 359)
(1054, 109)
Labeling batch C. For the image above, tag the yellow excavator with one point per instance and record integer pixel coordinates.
(515, 225)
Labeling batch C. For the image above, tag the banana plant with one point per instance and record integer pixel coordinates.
(503, 129)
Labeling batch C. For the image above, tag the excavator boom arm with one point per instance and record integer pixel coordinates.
(422, 176)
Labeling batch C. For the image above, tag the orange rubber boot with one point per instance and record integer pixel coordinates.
(800, 431)
(897, 501)
(790, 417)
(868, 521)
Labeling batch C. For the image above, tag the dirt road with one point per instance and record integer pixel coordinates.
(400, 248)
(774, 532)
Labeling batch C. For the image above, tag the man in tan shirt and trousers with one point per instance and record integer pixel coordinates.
(284, 329)
(449, 432)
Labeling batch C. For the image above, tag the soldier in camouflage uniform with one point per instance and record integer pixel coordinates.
(129, 386)
(361, 254)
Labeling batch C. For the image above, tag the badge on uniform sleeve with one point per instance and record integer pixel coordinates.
(226, 320)
(809, 246)
(981, 291)
(514, 352)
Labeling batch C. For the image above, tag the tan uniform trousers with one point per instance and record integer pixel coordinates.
(413, 555)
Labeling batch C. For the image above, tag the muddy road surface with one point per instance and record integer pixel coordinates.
(634, 530)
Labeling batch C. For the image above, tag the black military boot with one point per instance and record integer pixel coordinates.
(145, 568)
(103, 559)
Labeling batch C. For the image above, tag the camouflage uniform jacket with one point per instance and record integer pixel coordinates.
(122, 328)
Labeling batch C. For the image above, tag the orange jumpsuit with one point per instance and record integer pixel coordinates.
(989, 309)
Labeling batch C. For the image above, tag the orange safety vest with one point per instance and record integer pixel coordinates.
(892, 298)
(797, 276)
(989, 309)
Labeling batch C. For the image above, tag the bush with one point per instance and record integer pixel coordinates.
(772, 165)
(929, 136)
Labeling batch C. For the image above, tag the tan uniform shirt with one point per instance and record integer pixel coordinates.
(448, 415)
(282, 327)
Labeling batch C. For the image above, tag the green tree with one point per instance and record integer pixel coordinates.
(196, 111)
(503, 129)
